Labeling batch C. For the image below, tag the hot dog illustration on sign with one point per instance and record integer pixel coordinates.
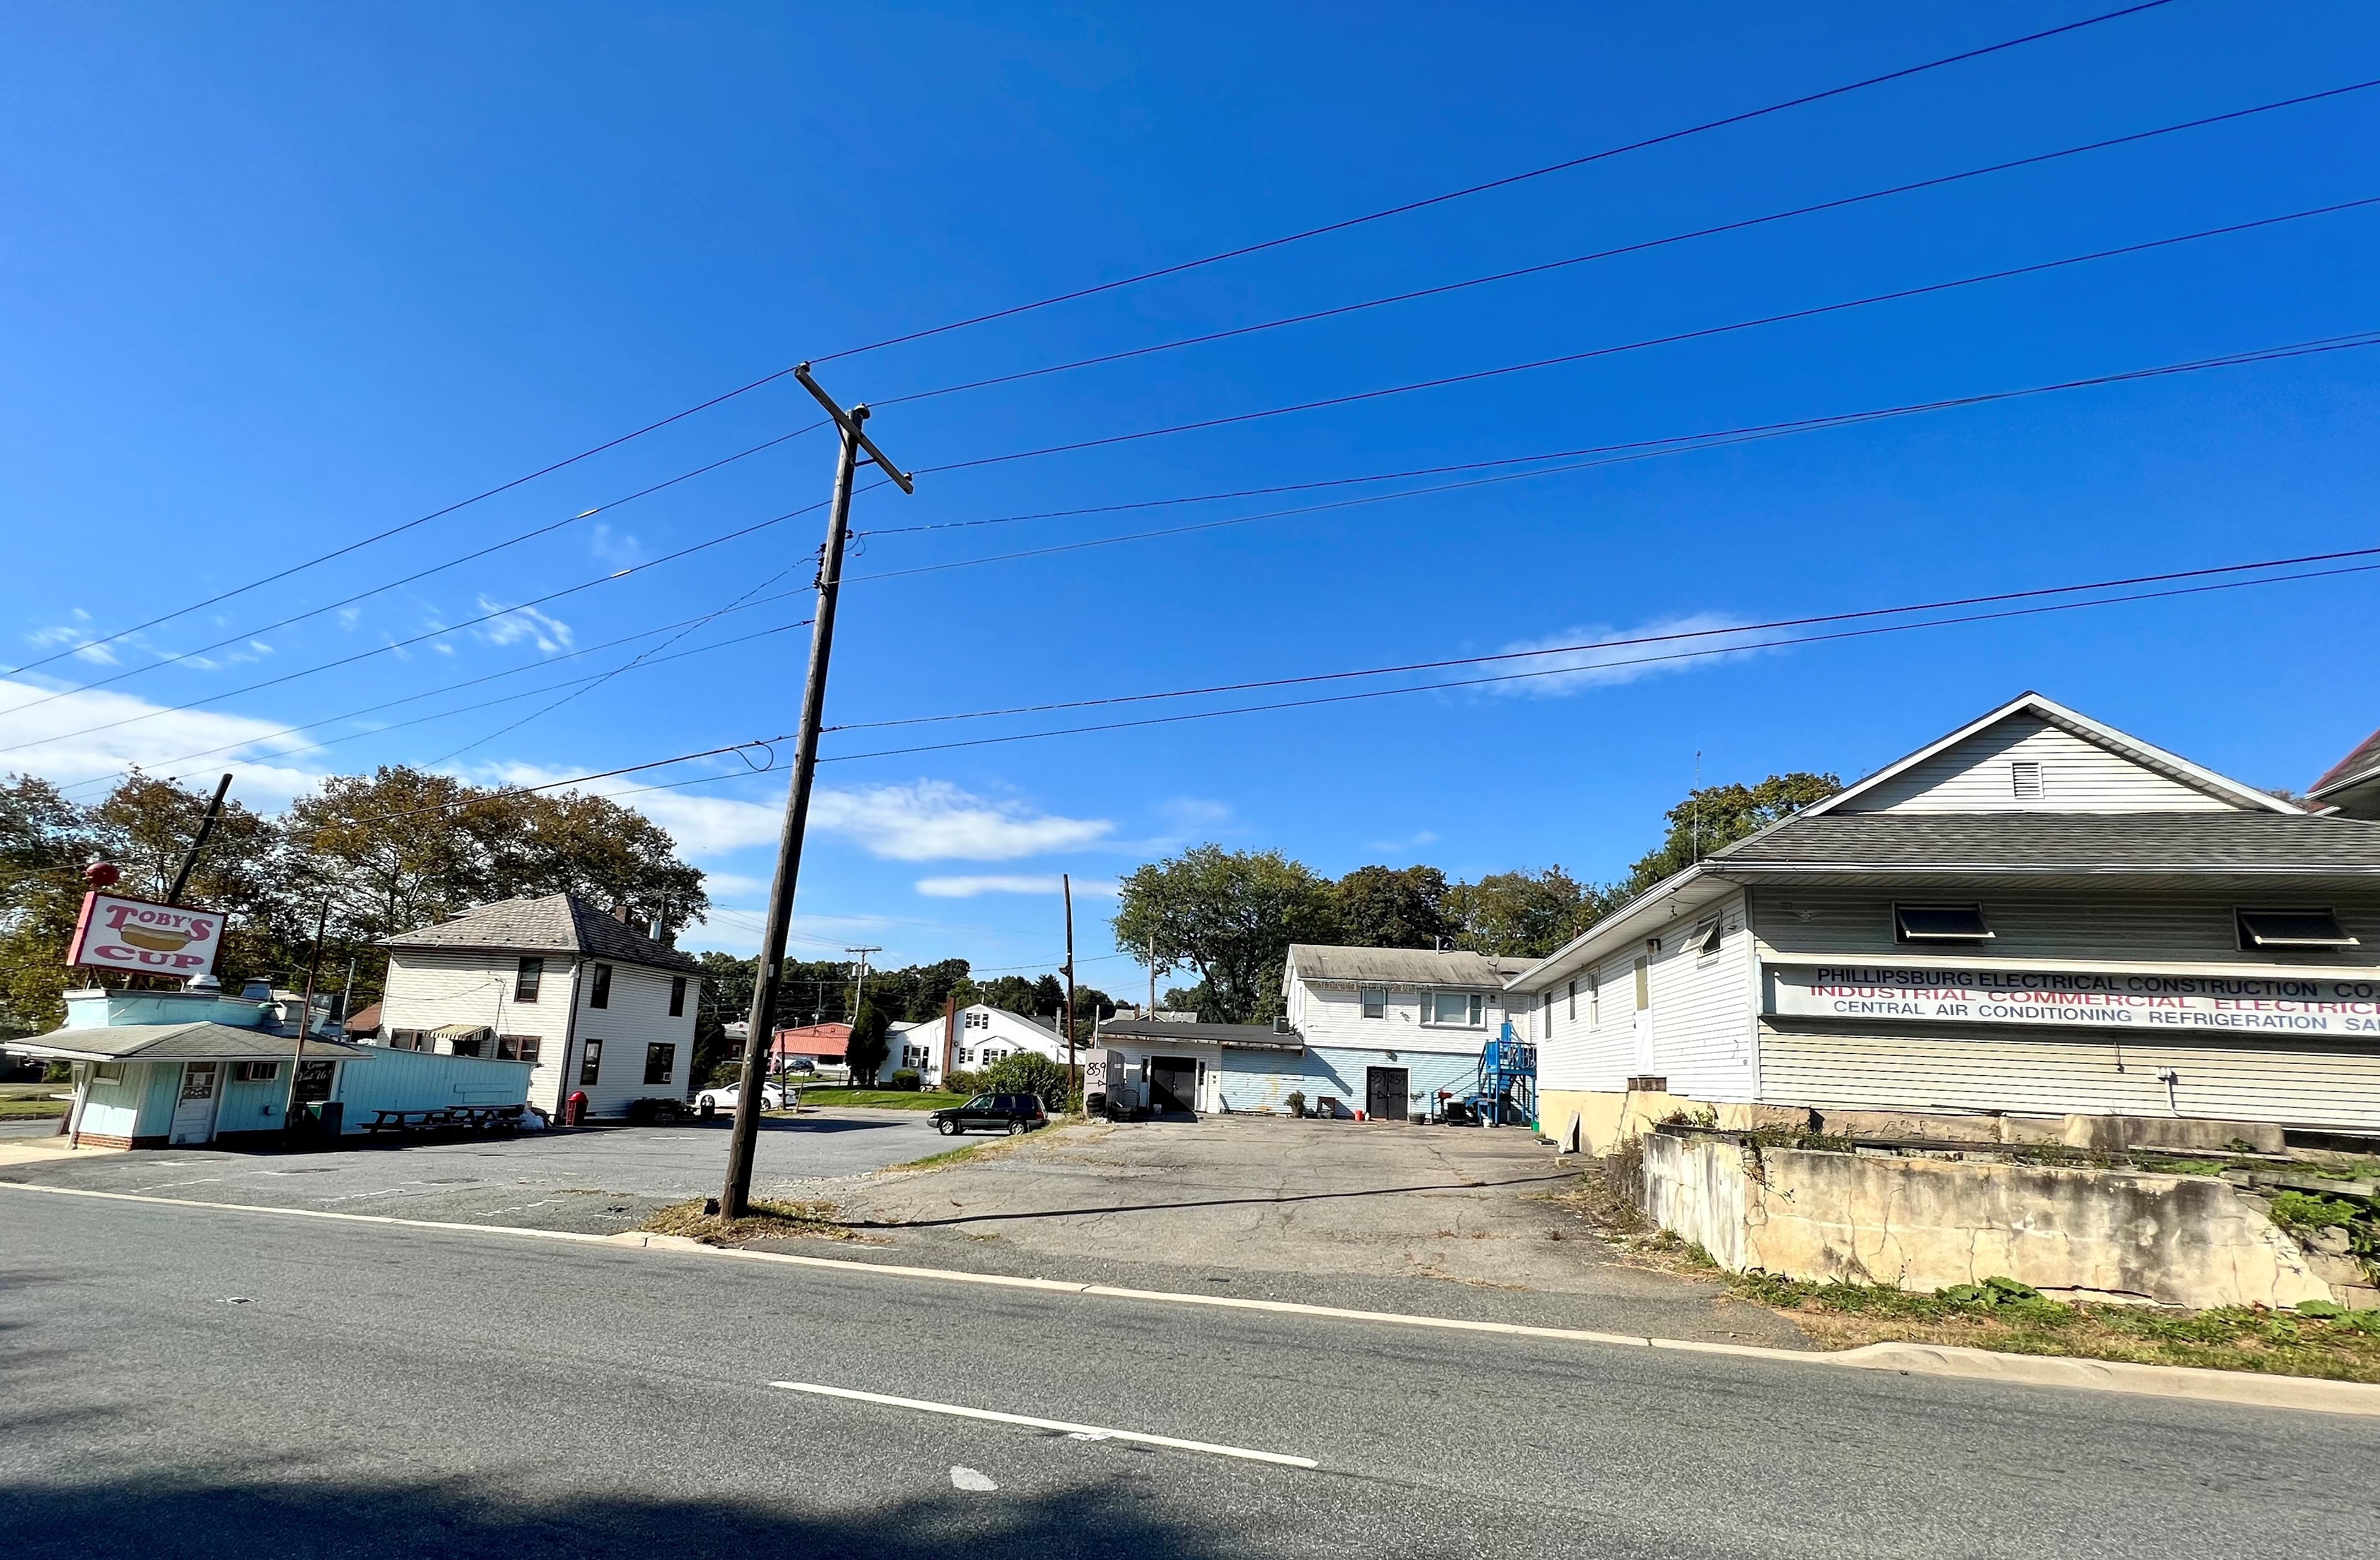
(129, 934)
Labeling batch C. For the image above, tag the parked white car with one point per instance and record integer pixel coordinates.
(722, 1100)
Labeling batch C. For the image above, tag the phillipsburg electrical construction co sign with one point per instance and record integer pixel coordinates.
(2300, 1005)
(162, 939)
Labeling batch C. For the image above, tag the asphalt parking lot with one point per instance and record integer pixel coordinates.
(595, 1180)
(1451, 1221)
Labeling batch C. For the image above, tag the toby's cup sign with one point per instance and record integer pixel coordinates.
(158, 939)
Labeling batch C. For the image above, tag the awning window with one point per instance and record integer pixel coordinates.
(2292, 928)
(1939, 923)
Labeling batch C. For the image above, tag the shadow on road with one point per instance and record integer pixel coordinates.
(237, 1520)
(1103, 1210)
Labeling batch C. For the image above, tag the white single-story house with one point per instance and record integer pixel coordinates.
(2035, 915)
(192, 1066)
(593, 1006)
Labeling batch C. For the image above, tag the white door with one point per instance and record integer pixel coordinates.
(1210, 1087)
(1643, 1016)
(194, 1112)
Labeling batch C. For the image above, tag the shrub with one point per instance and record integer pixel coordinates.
(2308, 1211)
(1297, 1103)
(1030, 1072)
(963, 1083)
(906, 1080)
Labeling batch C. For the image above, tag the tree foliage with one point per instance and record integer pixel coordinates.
(1386, 907)
(1229, 915)
(1718, 816)
(1522, 914)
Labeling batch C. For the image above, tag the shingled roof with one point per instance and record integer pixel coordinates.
(1401, 966)
(562, 924)
(2063, 842)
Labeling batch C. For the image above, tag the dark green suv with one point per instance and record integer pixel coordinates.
(993, 1113)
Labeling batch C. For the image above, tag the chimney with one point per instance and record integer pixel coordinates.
(620, 912)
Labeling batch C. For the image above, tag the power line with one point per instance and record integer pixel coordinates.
(1638, 247)
(1476, 375)
(1854, 615)
(409, 525)
(1600, 666)
(1176, 268)
(1692, 440)
(425, 574)
(1342, 225)
(1646, 448)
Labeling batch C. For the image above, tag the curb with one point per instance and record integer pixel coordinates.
(2242, 1388)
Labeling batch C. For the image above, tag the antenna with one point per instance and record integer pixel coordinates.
(1695, 809)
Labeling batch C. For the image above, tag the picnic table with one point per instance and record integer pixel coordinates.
(446, 1119)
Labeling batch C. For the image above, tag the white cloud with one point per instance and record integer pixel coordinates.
(932, 820)
(40, 743)
(548, 634)
(1414, 841)
(619, 548)
(968, 887)
(1689, 640)
(717, 883)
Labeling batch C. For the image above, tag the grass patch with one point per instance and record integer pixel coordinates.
(21, 1108)
(884, 1099)
(985, 1149)
(765, 1221)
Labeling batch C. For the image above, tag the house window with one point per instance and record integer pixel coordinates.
(1465, 1009)
(407, 1040)
(993, 1054)
(913, 1056)
(1375, 1001)
(978, 1020)
(966, 1058)
(591, 1064)
(1548, 1032)
(2025, 779)
(470, 1044)
(599, 995)
(257, 1071)
(1708, 938)
(1572, 1013)
(678, 996)
(1939, 923)
(517, 1047)
(108, 1073)
(1644, 986)
(660, 1061)
(2291, 928)
(1595, 998)
(527, 979)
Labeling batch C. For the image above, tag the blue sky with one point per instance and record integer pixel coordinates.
(278, 277)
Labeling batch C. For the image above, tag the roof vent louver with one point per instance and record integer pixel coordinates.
(2025, 779)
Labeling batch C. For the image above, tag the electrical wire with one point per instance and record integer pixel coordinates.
(425, 574)
(1639, 248)
(396, 530)
(1854, 615)
(1672, 445)
(1176, 268)
(1745, 116)
(1814, 312)
(1600, 666)
(1691, 441)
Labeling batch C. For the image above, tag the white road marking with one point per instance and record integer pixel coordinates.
(968, 1479)
(1086, 1432)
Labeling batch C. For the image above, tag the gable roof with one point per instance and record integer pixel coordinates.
(2363, 763)
(1245, 1037)
(2173, 767)
(556, 924)
(1401, 966)
(2076, 843)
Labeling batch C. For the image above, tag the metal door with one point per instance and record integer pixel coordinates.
(194, 1112)
(1384, 1093)
(1172, 1082)
(1644, 1015)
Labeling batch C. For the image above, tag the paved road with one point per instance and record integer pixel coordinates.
(384, 1391)
(599, 1179)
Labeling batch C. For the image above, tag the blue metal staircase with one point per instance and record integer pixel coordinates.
(1507, 1092)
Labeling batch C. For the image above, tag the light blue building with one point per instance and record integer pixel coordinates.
(159, 1068)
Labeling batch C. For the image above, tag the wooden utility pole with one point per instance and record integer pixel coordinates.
(858, 1001)
(206, 827)
(1073, 1067)
(735, 1199)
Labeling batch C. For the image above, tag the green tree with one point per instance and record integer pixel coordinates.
(1229, 915)
(1522, 914)
(1718, 816)
(1383, 907)
(44, 841)
(868, 1045)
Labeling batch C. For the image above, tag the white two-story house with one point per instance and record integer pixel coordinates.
(594, 1005)
(967, 1040)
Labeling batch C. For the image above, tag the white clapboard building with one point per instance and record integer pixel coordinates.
(2036, 917)
(596, 1006)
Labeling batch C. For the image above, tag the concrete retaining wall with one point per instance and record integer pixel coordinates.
(1924, 1224)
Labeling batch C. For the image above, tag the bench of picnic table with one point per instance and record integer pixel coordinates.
(451, 1117)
